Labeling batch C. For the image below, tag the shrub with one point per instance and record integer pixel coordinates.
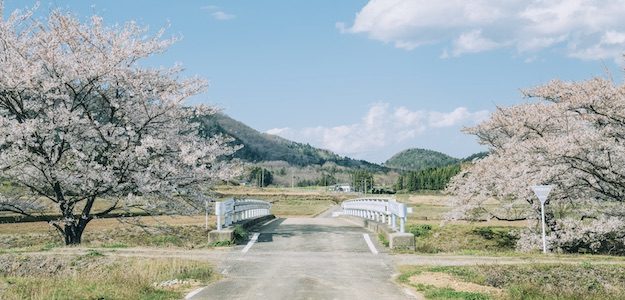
(420, 229)
(503, 237)
(383, 239)
(240, 233)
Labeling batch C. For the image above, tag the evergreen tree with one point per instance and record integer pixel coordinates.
(260, 177)
(429, 179)
(362, 181)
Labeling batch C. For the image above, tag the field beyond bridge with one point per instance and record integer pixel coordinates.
(304, 253)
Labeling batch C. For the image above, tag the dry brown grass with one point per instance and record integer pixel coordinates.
(523, 281)
(287, 202)
(94, 276)
(162, 231)
(104, 224)
(443, 280)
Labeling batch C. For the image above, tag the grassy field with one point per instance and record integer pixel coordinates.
(162, 231)
(530, 281)
(63, 278)
(287, 202)
(464, 239)
(435, 235)
(93, 276)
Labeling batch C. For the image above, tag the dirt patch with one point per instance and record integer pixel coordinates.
(442, 280)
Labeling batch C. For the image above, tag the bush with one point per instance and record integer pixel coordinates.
(240, 234)
(420, 229)
(503, 237)
(383, 239)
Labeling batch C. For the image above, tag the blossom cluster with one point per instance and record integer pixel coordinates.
(81, 119)
(572, 138)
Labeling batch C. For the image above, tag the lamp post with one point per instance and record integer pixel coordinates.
(542, 192)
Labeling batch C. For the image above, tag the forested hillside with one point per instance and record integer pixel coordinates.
(259, 147)
(433, 178)
(419, 159)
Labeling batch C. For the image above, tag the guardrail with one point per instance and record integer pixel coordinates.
(385, 210)
(235, 210)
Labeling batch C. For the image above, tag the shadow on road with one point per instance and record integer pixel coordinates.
(277, 228)
(260, 228)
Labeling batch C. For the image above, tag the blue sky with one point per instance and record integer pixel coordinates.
(367, 79)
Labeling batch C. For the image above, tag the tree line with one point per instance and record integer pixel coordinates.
(429, 179)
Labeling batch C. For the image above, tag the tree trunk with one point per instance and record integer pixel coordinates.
(73, 232)
(74, 226)
(552, 225)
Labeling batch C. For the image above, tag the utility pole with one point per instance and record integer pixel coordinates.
(262, 177)
(365, 187)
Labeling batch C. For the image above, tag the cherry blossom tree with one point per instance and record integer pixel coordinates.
(573, 138)
(85, 128)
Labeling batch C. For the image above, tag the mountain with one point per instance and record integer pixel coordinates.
(259, 147)
(427, 169)
(419, 159)
(475, 156)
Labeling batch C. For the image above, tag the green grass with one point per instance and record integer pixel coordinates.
(447, 293)
(463, 239)
(116, 245)
(419, 230)
(240, 234)
(383, 239)
(93, 253)
(95, 277)
(432, 292)
(528, 282)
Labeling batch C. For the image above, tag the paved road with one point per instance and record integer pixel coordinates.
(307, 258)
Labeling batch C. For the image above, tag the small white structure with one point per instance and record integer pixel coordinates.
(345, 188)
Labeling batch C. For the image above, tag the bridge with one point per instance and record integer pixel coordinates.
(331, 256)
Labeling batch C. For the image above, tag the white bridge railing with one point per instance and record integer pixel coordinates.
(384, 210)
(235, 210)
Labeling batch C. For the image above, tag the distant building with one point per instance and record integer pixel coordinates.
(345, 188)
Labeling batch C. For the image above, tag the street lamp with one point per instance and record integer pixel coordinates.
(542, 192)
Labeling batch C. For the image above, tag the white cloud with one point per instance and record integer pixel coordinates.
(380, 127)
(278, 131)
(613, 38)
(586, 29)
(217, 13)
(473, 42)
(455, 117)
(222, 16)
